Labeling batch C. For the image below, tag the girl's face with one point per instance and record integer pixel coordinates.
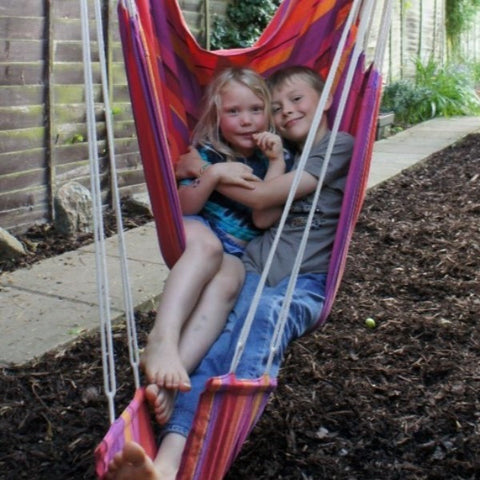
(241, 114)
(293, 107)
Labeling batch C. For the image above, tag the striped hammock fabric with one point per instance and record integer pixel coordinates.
(167, 71)
(228, 411)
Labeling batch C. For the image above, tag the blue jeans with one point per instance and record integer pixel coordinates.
(306, 305)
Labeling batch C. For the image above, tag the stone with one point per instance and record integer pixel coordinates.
(73, 209)
(10, 247)
(138, 203)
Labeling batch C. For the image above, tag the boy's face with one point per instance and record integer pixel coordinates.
(293, 106)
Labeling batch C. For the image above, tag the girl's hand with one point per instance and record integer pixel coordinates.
(233, 173)
(270, 144)
(189, 165)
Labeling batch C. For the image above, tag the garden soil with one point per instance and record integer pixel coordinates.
(397, 401)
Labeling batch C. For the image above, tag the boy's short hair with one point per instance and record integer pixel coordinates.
(284, 75)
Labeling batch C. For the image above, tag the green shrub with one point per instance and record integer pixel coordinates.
(476, 75)
(410, 103)
(243, 24)
(436, 91)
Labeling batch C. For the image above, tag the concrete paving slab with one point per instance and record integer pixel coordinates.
(72, 277)
(32, 324)
(407, 148)
(141, 244)
(47, 305)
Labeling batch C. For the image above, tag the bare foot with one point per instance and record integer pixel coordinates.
(132, 463)
(164, 367)
(162, 402)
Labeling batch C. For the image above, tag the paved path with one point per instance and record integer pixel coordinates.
(49, 304)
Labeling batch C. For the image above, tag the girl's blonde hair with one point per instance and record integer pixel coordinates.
(207, 130)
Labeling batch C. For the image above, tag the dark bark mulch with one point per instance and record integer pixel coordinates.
(398, 401)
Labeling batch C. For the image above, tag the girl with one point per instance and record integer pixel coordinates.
(237, 149)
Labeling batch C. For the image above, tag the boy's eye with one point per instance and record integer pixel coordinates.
(275, 109)
(297, 98)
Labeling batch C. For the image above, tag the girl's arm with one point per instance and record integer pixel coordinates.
(273, 193)
(272, 147)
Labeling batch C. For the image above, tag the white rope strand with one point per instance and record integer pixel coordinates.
(383, 34)
(127, 291)
(100, 254)
(296, 180)
(130, 6)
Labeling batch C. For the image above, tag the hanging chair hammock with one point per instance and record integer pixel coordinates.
(167, 71)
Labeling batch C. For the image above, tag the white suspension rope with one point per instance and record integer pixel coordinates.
(296, 180)
(357, 51)
(130, 6)
(127, 291)
(100, 253)
(383, 34)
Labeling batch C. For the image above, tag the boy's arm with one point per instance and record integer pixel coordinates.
(274, 192)
(194, 195)
(267, 217)
(271, 193)
(190, 164)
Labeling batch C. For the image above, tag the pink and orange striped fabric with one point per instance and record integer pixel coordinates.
(134, 424)
(229, 409)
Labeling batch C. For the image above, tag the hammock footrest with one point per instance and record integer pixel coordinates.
(134, 424)
(228, 410)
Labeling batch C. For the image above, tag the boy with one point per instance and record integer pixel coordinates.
(295, 95)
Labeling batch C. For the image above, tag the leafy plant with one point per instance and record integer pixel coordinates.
(243, 24)
(476, 74)
(410, 103)
(436, 91)
(452, 87)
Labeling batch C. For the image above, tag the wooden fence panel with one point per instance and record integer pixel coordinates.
(23, 173)
(43, 134)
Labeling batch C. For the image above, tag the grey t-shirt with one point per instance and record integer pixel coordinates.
(322, 233)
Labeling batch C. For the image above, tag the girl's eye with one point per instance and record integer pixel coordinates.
(257, 109)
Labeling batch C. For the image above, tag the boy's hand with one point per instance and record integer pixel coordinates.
(233, 173)
(270, 144)
(189, 165)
